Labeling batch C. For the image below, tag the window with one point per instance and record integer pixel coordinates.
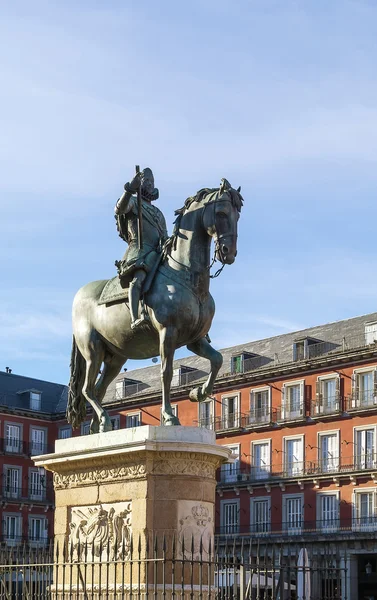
(294, 456)
(205, 414)
(12, 482)
(260, 515)
(293, 510)
(365, 509)
(328, 511)
(261, 459)
(37, 480)
(38, 441)
(183, 376)
(65, 433)
(126, 387)
(85, 428)
(293, 400)
(328, 452)
(12, 528)
(302, 348)
(229, 516)
(364, 388)
(241, 362)
(230, 471)
(327, 395)
(120, 387)
(260, 406)
(13, 441)
(35, 400)
(230, 414)
(133, 420)
(365, 448)
(114, 422)
(370, 333)
(38, 529)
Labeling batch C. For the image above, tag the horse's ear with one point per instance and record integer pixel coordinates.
(239, 189)
(224, 185)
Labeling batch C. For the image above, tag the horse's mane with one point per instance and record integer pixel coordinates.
(225, 187)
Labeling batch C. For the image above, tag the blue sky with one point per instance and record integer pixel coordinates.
(279, 97)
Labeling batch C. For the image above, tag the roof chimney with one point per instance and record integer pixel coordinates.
(8, 370)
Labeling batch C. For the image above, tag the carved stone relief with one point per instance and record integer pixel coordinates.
(195, 528)
(93, 476)
(97, 529)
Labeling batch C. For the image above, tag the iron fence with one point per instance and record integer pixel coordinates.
(168, 568)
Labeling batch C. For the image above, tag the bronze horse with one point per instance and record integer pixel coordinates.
(179, 306)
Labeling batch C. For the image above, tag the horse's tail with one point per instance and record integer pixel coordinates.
(76, 407)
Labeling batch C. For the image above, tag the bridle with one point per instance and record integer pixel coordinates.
(217, 236)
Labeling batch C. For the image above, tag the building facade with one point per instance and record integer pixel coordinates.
(28, 408)
(299, 412)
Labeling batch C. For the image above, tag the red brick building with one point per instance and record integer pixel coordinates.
(28, 408)
(300, 414)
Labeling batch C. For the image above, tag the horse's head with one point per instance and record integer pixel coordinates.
(220, 219)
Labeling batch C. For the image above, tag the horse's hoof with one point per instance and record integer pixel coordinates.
(196, 395)
(169, 420)
(105, 423)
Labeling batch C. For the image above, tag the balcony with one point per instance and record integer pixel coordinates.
(260, 417)
(326, 407)
(28, 494)
(291, 413)
(230, 422)
(332, 527)
(20, 448)
(361, 401)
(329, 468)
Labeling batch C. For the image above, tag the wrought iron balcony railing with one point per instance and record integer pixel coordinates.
(289, 413)
(298, 526)
(332, 466)
(259, 417)
(28, 494)
(20, 447)
(229, 421)
(326, 406)
(360, 401)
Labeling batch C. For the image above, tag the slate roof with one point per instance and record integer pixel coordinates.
(278, 348)
(15, 393)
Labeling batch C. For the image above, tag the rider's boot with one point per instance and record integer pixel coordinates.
(134, 293)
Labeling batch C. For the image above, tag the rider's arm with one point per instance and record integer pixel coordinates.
(127, 200)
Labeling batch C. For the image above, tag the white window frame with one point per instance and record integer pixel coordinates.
(296, 530)
(131, 415)
(355, 453)
(230, 529)
(208, 424)
(334, 462)
(253, 417)
(300, 470)
(64, 428)
(357, 526)
(230, 472)
(355, 401)
(12, 447)
(39, 400)
(39, 448)
(227, 421)
(255, 525)
(10, 495)
(42, 476)
(115, 419)
(44, 530)
(320, 406)
(260, 473)
(369, 334)
(319, 520)
(286, 414)
(18, 532)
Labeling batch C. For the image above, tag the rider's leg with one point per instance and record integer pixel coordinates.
(134, 293)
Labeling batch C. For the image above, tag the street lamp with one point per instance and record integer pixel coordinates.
(368, 568)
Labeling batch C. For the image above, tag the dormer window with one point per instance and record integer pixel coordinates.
(370, 333)
(126, 387)
(35, 400)
(301, 348)
(183, 376)
(239, 362)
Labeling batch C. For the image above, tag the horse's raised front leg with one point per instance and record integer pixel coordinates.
(204, 349)
(167, 349)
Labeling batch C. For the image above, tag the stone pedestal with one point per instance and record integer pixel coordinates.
(117, 492)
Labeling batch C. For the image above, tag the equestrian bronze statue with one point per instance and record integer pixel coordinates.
(171, 276)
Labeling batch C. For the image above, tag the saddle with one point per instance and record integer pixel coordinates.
(116, 289)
